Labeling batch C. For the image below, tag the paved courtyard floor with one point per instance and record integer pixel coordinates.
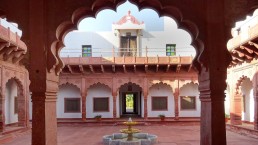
(167, 135)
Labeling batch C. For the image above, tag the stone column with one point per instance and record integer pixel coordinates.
(213, 131)
(45, 66)
(83, 107)
(145, 95)
(236, 115)
(212, 61)
(2, 113)
(21, 106)
(176, 96)
(44, 122)
(114, 105)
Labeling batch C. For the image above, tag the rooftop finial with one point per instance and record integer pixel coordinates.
(129, 12)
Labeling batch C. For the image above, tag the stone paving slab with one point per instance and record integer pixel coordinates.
(167, 135)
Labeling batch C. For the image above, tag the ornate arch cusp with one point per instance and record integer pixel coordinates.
(118, 83)
(169, 83)
(56, 64)
(69, 84)
(91, 82)
(239, 83)
(73, 82)
(187, 82)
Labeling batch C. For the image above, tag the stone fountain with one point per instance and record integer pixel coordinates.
(130, 136)
(130, 131)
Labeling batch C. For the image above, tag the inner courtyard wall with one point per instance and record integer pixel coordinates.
(113, 85)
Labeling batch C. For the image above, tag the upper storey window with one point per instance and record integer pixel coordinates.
(86, 51)
(170, 49)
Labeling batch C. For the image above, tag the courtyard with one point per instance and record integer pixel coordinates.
(168, 134)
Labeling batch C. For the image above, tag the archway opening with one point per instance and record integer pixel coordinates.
(68, 102)
(130, 100)
(127, 32)
(99, 101)
(15, 108)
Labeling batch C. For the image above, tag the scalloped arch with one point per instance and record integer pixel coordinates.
(189, 83)
(99, 5)
(98, 83)
(160, 83)
(69, 84)
(168, 83)
(132, 83)
(17, 80)
(239, 82)
(19, 83)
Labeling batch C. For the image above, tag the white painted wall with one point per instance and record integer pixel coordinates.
(100, 91)
(247, 91)
(67, 91)
(227, 100)
(10, 94)
(161, 90)
(102, 41)
(190, 90)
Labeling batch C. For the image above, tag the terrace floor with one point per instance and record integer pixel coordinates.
(91, 134)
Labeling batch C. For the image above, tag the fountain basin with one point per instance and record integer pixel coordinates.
(138, 139)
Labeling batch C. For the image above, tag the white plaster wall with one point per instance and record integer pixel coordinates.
(247, 91)
(100, 91)
(104, 41)
(10, 94)
(161, 90)
(190, 90)
(67, 91)
(227, 101)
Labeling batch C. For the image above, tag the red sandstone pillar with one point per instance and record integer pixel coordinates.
(213, 131)
(236, 115)
(114, 105)
(21, 108)
(256, 113)
(2, 114)
(212, 61)
(44, 123)
(176, 96)
(145, 106)
(84, 107)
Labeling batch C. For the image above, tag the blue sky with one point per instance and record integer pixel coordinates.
(106, 18)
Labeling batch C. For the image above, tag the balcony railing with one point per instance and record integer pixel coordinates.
(245, 32)
(13, 28)
(129, 52)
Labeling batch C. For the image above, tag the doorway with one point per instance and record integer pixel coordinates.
(128, 45)
(130, 100)
(130, 103)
